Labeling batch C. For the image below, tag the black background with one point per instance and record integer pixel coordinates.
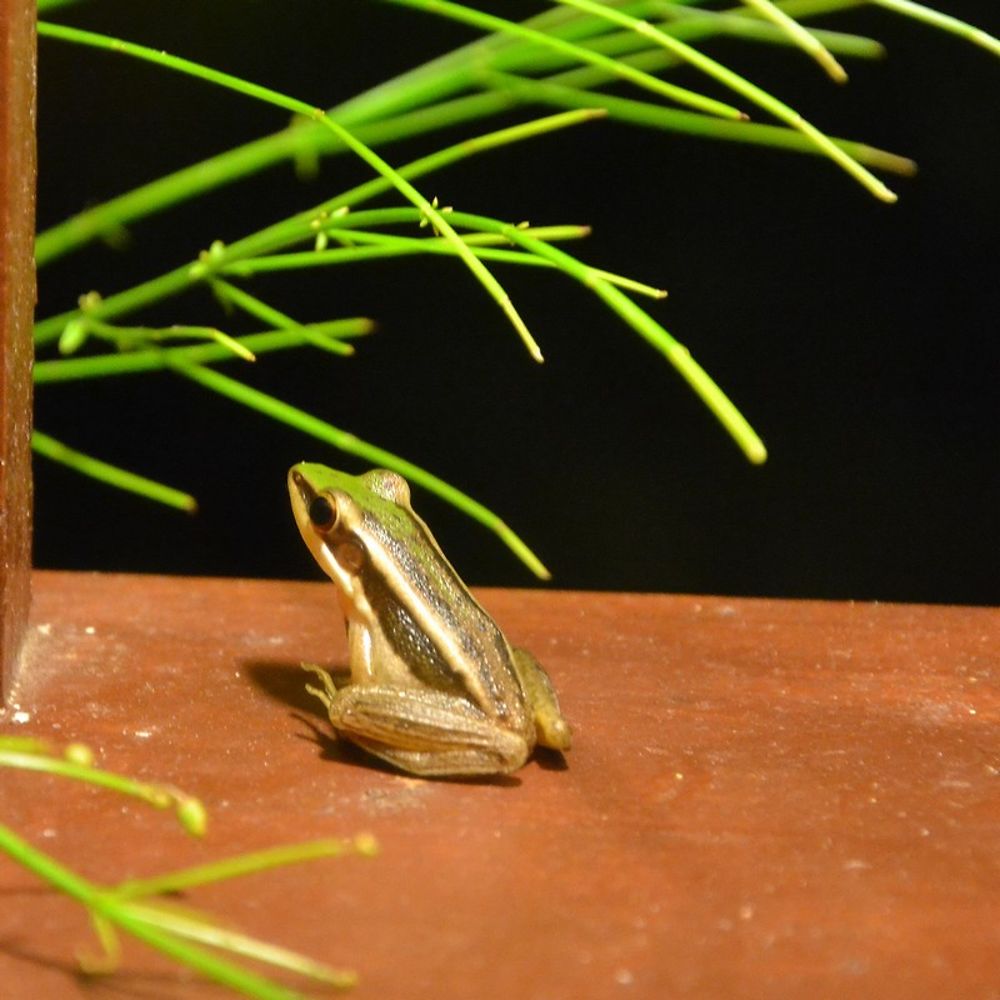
(860, 339)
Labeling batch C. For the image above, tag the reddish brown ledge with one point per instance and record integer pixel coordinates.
(766, 798)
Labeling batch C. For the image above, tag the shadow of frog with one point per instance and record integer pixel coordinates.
(286, 682)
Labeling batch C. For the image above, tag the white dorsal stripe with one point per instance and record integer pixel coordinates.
(430, 623)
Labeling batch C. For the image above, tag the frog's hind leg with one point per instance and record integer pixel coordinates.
(438, 763)
(425, 732)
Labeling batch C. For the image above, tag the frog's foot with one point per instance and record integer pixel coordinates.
(438, 763)
(329, 690)
(426, 732)
(551, 729)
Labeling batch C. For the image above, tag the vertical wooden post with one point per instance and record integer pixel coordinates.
(17, 302)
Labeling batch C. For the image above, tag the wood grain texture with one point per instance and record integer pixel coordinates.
(17, 306)
(765, 799)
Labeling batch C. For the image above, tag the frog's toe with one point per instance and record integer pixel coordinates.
(555, 733)
(329, 689)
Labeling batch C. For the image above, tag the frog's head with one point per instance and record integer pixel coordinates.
(337, 514)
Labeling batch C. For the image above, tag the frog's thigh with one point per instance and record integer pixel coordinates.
(425, 732)
(552, 729)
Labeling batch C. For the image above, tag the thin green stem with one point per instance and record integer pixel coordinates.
(693, 25)
(304, 225)
(130, 338)
(424, 84)
(119, 914)
(352, 445)
(26, 744)
(269, 96)
(741, 86)
(379, 246)
(216, 171)
(441, 225)
(301, 226)
(113, 475)
(159, 796)
(945, 22)
(156, 359)
(196, 929)
(649, 115)
(651, 331)
(250, 304)
(489, 22)
(804, 39)
(218, 970)
(245, 864)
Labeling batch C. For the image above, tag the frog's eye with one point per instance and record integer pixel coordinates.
(322, 513)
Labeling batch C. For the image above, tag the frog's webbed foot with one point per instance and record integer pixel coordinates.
(329, 690)
(425, 732)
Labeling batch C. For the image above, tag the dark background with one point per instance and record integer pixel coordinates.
(859, 339)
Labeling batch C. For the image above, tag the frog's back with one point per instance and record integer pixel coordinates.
(433, 623)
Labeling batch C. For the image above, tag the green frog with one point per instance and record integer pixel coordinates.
(435, 688)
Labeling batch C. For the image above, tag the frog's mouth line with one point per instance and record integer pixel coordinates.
(301, 494)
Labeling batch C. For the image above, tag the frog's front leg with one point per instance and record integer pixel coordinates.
(423, 732)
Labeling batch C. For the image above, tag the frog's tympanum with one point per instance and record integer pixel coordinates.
(435, 688)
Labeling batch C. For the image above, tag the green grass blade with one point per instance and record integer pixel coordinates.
(195, 928)
(130, 338)
(481, 243)
(649, 115)
(640, 321)
(366, 113)
(696, 24)
(104, 472)
(246, 864)
(441, 225)
(378, 246)
(115, 912)
(158, 796)
(489, 22)
(218, 970)
(741, 86)
(804, 39)
(243, 161)
(250, 304)
(132, 363)
(920, 12)
(651, 331)
(269, 96)
(352, 445)
(301, 226)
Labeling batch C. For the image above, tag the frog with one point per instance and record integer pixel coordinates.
(434, 687)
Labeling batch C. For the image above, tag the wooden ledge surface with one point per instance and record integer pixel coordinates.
(765, 798)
